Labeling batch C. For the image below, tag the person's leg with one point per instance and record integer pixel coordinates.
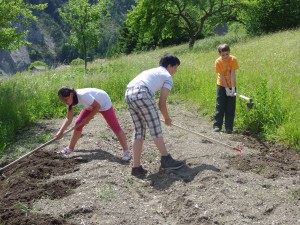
(230, 113)
(160, 144)
(137, 146)
(150, 115)
(74, 138)
(133, 98)
(78, 131)
(139, 136)
(111, 119)
(220, 105)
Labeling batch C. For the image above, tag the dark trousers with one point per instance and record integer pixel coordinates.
(225, 106)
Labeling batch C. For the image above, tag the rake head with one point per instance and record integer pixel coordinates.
(238, 149)
(250, 104)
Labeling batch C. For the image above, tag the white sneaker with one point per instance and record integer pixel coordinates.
(126, 156)
(66, 151)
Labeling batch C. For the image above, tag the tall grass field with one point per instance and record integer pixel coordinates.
(269, 73)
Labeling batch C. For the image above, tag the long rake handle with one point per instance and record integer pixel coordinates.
(211, 139)
(38, 148)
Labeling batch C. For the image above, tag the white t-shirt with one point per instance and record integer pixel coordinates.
(154, 79)
(86, 96)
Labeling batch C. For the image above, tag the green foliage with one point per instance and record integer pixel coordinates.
(264, 16)
(37, 63)
(157, 23)
(13, 14)
(267, 114)
(86, 21)
(77, 62)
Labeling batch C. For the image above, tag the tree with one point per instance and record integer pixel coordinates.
(154, 21)
(264, 16)
(16, 16)
(86, 21)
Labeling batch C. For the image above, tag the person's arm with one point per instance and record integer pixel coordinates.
(162, 105)
(66, 123)
(232, 77)
(95, 108)
(223, 80)
(228, 92)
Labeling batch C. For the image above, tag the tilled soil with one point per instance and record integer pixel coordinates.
(93, 186)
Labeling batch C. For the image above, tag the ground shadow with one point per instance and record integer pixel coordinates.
(97, 154)
(163, 179)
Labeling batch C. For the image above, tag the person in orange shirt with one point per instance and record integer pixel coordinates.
(225, 67)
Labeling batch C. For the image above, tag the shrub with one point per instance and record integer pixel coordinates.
(37, 63)
(77, 62)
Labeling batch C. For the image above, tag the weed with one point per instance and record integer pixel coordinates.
(106, 193)
(23, 207)
(294, 195)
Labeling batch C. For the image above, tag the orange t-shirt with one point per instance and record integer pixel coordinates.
(224, 67)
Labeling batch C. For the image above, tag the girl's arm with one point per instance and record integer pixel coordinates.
(95, 108)
(66, 123)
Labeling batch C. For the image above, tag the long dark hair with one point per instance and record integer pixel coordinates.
(65, 92)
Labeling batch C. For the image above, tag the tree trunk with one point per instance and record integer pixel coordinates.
(192, 42)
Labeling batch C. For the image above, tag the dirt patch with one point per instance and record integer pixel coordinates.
(93, 186)
(272, 161)
(25, 182)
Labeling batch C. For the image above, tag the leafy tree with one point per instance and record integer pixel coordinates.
(16, 16)
(154, 22)
(111, 32)
(86, 21)
(264, 16)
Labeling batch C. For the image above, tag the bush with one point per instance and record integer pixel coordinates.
(37, 63)
(266, 16)
(77, 62)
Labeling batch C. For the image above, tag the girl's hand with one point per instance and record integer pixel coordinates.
(59, 135)
(168, 121)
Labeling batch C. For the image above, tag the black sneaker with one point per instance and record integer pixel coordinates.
(167, 162)
(138, 171)
(228, 131)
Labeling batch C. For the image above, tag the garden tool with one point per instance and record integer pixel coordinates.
(237, 148)
(36, 149)
(249, 100)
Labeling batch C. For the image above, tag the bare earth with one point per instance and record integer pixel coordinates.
(93, 186)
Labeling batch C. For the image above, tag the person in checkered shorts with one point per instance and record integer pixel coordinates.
(140, 100)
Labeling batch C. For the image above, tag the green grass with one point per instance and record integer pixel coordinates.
(269, 73)
(106, 193)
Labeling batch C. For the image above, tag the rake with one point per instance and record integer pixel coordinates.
(36, 149)
(237, 148)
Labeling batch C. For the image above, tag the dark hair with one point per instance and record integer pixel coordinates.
(223, 48)
(65, 92)
(169, 59)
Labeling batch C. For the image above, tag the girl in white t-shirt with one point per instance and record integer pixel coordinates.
(90, 101)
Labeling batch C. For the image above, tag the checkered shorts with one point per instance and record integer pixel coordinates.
(143, 111)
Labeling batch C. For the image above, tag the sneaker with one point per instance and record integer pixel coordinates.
(167, 162)
(126, 156)
(228, 131)
(217, 129)
(66, 151)
(138, 171)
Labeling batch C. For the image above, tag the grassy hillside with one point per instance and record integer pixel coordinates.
(269, 73)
